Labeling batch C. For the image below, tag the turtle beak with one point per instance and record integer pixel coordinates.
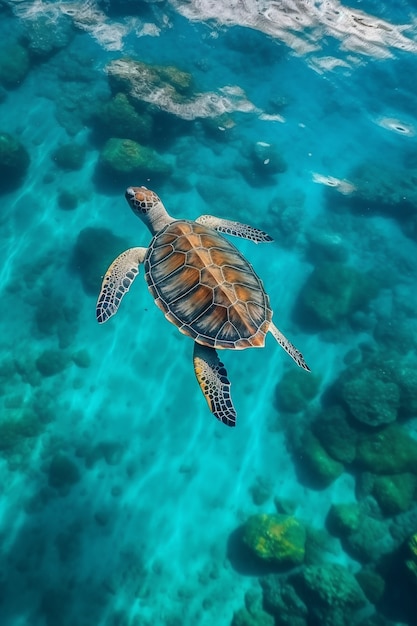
(130, 194)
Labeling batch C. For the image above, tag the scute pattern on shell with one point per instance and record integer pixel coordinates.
(206, 287)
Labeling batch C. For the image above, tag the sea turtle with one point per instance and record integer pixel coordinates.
(203, 285)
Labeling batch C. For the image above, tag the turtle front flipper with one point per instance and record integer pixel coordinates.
(213, 381)
(229, 227)
(117, 282)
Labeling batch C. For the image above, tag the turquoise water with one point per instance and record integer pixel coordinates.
(123, 501)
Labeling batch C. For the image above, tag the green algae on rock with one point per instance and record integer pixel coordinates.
(395, 493)
(388, 451)
(127, 157)
(119, 118)
(335, 434)
(343, 519)
(321, 469)
(277, 539)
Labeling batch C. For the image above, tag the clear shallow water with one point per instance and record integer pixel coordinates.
(139, 523)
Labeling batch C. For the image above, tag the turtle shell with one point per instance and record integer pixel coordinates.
(206, 287)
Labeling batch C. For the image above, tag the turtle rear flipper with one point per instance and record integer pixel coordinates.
(288, 347)
(214, 383)
(117, 282)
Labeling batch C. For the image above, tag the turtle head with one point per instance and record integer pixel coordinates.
(147, 205)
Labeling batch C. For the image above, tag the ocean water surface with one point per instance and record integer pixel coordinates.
(124, 502)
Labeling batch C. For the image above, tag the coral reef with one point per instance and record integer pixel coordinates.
(278, 539)
(296, 390)
(332, 294)
(370, 541)
(331, 592)
(382, 188)
(375, 396)
(281, 600)
(371, 401)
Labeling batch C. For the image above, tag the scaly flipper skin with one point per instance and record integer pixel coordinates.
(213, 381)
(117, 282)
(234, 228)
(288, 347)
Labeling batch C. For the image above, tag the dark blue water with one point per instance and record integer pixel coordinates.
(123, 500)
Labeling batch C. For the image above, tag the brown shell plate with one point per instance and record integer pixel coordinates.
(205, 286)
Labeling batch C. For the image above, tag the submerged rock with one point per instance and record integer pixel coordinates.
(14, 65)
(282, 601)
(371, 401)
(169, 89)
(93, 252)
(296, 389)
(69, 156)
(411, 557)
(319, 468)
(119, 118)
(63, 472)
(331, 592)
(333, 293)
(45, 34)
(336, 435)
(388, 451)
(126, 157)
(344, 519)
(395, 493)
(14, 161)
(277, 539)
